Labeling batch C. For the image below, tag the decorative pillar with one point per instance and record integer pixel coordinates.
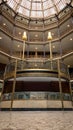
(60, 40)
(50, 46)
(70, 88)
(60, 85)
(3, 84)
(24, 37)
(11, 47)
(27, 50)
(71, 92)
(12, 41)
(44, 50)
(23, 49)
(14, 83)
(36, 52)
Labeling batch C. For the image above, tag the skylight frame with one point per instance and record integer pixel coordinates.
(37, 8)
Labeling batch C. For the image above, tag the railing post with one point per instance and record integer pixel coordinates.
(14, 83)
(23, 50)
(71, 92)
(60, 85)
(3, 85)
(70, 88)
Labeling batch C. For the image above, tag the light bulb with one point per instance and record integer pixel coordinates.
(49, 36)
(24, 37)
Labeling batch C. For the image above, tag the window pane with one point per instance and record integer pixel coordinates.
(47, 4)
(60, 5)
(26, 4)
(49, 7)
(23, 11)
(36, 6)
(36, 14)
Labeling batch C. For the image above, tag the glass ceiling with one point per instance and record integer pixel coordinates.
(37, 8)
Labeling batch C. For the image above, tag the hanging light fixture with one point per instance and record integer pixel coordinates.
(24, 37)
(49, 36)
(50, 47)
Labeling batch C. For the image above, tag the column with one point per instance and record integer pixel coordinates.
(14, 83)
(60, 85)
(50, 47)
(24, 37)
(44, 50)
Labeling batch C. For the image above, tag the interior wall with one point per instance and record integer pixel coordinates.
(36, 86)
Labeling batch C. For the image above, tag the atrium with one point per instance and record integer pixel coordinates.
(36, 54)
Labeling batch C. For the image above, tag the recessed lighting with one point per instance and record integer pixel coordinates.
(53, 47)
(68, 25)
(4, 24)
(18, 45)
(36, 35)
(0, 38)
(36, 48)
(68, 66)
(35, 65)
(70, 39)
(19, 33)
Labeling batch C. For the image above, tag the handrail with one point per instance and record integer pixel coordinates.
(36, 65)
(66, 54)
(8, 31)
(36, 96)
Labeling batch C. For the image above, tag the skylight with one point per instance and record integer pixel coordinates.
(37, 8)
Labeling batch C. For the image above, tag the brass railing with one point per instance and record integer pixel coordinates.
(7, 30)
(36, 65)
(36, 96)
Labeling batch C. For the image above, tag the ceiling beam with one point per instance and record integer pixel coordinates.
(3, 2)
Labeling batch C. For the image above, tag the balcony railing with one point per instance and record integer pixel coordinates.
(41, 65)
(36, 96)
(15, 34)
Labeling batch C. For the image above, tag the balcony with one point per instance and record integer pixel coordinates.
(36, 68)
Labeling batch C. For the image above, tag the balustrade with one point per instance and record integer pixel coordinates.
(36, 96)
(36, 64)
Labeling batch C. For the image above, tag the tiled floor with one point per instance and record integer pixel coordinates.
(53, 120)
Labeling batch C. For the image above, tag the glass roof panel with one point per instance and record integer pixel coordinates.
(23, 11)
(56, 1)
(13, 4)
(61, 5)
(26, 4)
(46, 13)
(38, 8)
(36, 14)
(52, 11)
(47, 4)
(36, 0)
